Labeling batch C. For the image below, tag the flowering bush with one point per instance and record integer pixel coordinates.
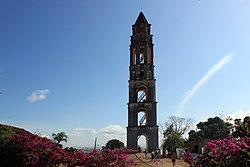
(226, 152)
(242, 129)
(32, 150)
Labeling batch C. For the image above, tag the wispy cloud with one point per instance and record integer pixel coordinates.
(211, 72)
(38, 95)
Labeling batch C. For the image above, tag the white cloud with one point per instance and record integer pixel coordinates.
(239, 114)
(38, 95)
(211, 72)
(113, 129)
(85, 137)
(81, 137)
(112, 132)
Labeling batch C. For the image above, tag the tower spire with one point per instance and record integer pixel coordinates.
(141, 19)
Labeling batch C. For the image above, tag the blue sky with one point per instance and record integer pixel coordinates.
(64, 64)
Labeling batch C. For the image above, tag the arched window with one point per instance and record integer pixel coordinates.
(142, 142)
(133, 56)
(141, 96)
(141, 56)
(142, 118)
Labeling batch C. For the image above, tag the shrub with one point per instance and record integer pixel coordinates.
(114, 143)
(4, 130)
(32, 150)
(227, 152)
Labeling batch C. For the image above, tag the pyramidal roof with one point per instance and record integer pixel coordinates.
(141, 19)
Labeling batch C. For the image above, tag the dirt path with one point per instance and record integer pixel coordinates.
(166, 162)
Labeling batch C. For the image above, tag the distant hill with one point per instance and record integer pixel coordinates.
(16, 129)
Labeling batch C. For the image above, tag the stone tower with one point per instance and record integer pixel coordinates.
(142, 93)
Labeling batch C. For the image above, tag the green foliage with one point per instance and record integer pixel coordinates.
(114, 143)
(172, 141)
(231, 152)
(214, 128)
(70, 149)
(4, 130)
(59, 137)
(168, 130)
(242, 129)
(175, 127)
(196, 136)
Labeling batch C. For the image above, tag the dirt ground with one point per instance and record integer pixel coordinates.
(166, 162)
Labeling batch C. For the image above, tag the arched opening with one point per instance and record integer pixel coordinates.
(141, 56)
(142, 143)
(134, 56)
(141, 96)
(142, 118)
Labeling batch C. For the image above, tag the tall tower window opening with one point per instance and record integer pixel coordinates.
(141, 56)
(141, 96)
(142, 118)
(133, 58)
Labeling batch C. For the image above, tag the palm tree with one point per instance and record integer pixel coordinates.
(59, 137)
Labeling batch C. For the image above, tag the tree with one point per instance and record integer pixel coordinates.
(114, 143)
(215, 128)
(212, 129)
(195, 136)
(177, 124)
(172, 141)
(59, 137)
(175, 127)
(242, 129)
(231, 151)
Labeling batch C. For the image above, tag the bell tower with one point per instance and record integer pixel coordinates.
(142, 93)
